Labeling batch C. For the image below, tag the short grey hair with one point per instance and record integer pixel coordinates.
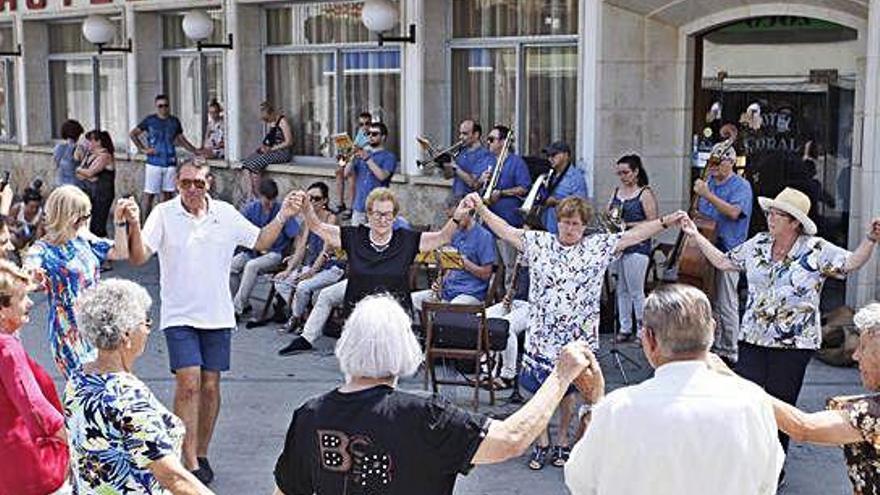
(867, 319)
(377, 341)
(108, 311)
(681, 318)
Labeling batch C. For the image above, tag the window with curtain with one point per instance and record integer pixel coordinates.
(321, 87)
(7, 85)
(70, 82)
(181, 73)
(180, 81)
(527, 76)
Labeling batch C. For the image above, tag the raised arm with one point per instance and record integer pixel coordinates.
(138, 252)
(434, 240)
(863, 253)
(648, 229)
(496, 224)
(718, 259)
(290, 207)
(729, 210)
(511, 437)
(331, 233)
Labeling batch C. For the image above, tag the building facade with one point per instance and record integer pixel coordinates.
(609, 77)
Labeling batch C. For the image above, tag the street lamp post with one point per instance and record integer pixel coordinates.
(198, 27)
(99, 31)
(380, 16)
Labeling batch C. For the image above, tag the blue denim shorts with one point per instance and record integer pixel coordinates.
(531, 379)
(208, 349)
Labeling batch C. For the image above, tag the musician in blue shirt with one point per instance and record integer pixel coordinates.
(565, 180)
(470, 164)
(467, 285)
(513, 184)
(373, 168)
(726, 198)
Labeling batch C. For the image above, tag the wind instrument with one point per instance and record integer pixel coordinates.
(438, 157)
(496, 171)
(507, 300)
(611, 220)
(532, 208)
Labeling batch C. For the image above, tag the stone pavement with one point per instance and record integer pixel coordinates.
(263, 389)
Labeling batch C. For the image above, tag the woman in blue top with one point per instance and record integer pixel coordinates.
(63, 155)
(68, 259)
(633, 202)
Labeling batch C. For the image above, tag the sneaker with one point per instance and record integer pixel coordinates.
(298, 344)
(245, 311)
(201, 475)
(205, 466)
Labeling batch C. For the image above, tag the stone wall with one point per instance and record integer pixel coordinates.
(421, 198)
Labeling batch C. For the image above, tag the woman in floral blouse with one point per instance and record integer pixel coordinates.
(565, 273)
(122, 439)
(786, 268)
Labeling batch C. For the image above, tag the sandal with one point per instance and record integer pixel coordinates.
(501, 383)
(560, 455)
(539, 457)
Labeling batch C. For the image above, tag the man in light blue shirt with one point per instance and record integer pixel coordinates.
(566, 180)
(470, 164)
(247, 265)
(726, 198)
(372, 168)
(468, 284)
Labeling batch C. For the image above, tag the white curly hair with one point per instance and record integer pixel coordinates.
(107, 312)
(867, 319)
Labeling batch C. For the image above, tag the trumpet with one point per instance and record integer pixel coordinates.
(347, 156)
(438, 157)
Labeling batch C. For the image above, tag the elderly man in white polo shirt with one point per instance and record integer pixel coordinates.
(689, 430)
(195, 238)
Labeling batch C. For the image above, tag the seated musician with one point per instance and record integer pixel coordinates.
(726, 198)
(467, 285)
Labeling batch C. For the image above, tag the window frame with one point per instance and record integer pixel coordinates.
(338, 50)
(520, 44)
(10, 111)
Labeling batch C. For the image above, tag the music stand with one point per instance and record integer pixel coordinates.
(618, 356)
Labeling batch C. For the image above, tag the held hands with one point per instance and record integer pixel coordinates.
(701, 188)
(126, 210)
(472, 201)
(673, 219)
(874, 230)
(293, 203)
(688, 226)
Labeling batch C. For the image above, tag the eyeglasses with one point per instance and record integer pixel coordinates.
(162, 105)
(188, 183)
(381, 215)
(778, 213)
(492, 139)
(624, 172)
(374, 133)
(84, 218)
(316, 199)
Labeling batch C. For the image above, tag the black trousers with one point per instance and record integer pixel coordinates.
(778, 371)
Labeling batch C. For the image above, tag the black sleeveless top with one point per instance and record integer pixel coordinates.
(275, 135)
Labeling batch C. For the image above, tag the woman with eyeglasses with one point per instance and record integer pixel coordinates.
(122, 439)
(633, 202)
(68, 259)
(786, 268)
(379, 256)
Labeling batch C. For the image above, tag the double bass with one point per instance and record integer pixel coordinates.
(686, 263)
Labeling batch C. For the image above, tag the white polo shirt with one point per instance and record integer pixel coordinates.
(195, 255)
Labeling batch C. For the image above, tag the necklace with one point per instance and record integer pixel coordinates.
(379, 246)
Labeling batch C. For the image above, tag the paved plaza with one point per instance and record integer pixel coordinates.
(263, 389)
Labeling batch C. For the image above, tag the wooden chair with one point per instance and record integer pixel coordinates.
(462, 332)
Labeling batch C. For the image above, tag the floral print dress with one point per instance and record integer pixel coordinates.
(117, 428)
(782, 310)
(862, 459)
(565, 286)
(70, 268)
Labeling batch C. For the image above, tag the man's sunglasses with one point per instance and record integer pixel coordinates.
(188, 183)
(162, 105)
(374, 133)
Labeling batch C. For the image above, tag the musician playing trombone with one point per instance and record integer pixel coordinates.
(470, 164)
(512, 186)
(566, 180)
(565, 272)
(468, 284)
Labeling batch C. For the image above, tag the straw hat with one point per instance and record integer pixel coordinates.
(793, 202)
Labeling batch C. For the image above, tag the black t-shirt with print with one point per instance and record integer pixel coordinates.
(372, 272)
(378, 441)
